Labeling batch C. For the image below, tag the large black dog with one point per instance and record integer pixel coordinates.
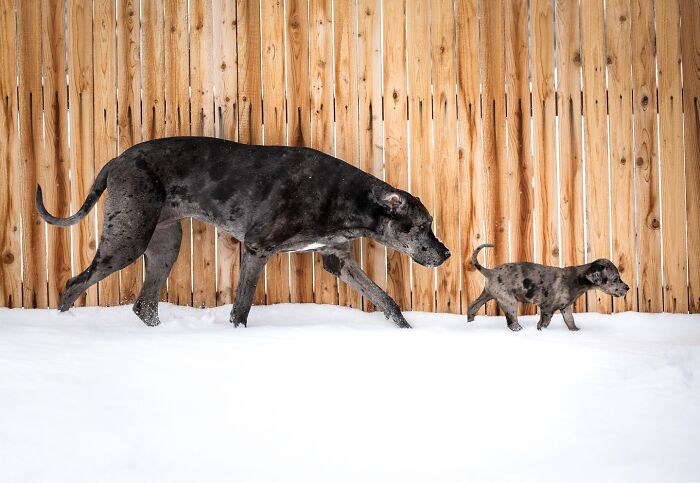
(271, 198)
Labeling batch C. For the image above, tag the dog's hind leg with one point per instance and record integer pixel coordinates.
(476, 305)
(509, 305)
(130, 216)
(160, 256)
(341, 263)
(252, 265)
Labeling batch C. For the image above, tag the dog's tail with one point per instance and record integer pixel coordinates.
(475, 253)
(97, 189)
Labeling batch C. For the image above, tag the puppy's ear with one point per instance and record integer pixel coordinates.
(393, 202)
(594, 273)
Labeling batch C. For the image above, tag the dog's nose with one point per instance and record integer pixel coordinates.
(448, 253)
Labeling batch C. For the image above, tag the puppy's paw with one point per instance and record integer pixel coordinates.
(470, 318)
(515, 327)
(574, 328)
(237, 323)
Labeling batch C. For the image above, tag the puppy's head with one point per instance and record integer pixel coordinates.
(404, 224)
(603, 275)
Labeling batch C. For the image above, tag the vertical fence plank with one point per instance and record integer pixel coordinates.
(275, 130)
(34, 287)
(395, 142)
(690, 47)
(129, 114)
(519, 145)
(299, 126)
(445, 113)
(369, 48)
(82, 151)
(56, 155)
(177, 114)
(105, 114)
(10, 165)
(202, 124)
(420, 121)
(152, 69)
(596, 146)
(671, 156)
(321, 62)
(493, 108)
(249, 92)
(570, 137)
(152, 66)
(648, 210)
(346, 123)
(543, 113)
(226, 102)
(619, 59)
(472, 177)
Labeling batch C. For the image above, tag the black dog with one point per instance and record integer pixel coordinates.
(552, 288)
(271, 198)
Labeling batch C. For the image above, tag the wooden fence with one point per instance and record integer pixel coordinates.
(563, 132)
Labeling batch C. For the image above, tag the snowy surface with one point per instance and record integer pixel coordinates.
(327, 394)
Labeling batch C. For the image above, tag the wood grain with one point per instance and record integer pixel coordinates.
(472, 173)
(569, 107)
(129, 114)
(177, 115)
(596, 146)
(446, 161)
(395, 140)
(56, 154)
(346, 115)
(104, 48)
(671, 156)
(619, 59)
(322, 111)
(369, 47)
(420, 141)
(690, 47)
(10, 162)
(31, 151)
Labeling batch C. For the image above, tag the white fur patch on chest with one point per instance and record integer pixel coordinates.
(311, 246)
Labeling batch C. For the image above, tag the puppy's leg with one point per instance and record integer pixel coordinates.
(342, 264)
(130, 219)
(252, 265)
(509, 305)
(545, 318)
(567, 312)
(160, 256)
(476, 305)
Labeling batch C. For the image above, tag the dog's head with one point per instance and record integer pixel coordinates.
(405, 225)
(603, 274)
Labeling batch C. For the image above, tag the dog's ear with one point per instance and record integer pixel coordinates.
(594, 273)
(394, 202)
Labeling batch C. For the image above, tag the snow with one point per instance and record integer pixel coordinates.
(313, 393)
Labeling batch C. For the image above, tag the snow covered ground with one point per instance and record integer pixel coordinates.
(312, 393)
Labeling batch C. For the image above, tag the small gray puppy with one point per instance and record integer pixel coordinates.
(551, 288)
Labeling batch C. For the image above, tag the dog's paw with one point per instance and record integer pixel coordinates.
(515, 327)
(574, 329)
(470, 318)
(404, 325)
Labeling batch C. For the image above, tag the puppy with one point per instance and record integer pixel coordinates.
(551, 288)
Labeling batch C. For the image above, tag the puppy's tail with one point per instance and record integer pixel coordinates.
(97, 189)
(475, 253)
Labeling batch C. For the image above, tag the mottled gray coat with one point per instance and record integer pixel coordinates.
(271, 198)
(551, 288)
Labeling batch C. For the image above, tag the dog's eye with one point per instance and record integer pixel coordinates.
(405, 227)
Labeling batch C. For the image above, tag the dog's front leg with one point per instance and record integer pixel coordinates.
(252, 265)
(568, 314)
(343, 265)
